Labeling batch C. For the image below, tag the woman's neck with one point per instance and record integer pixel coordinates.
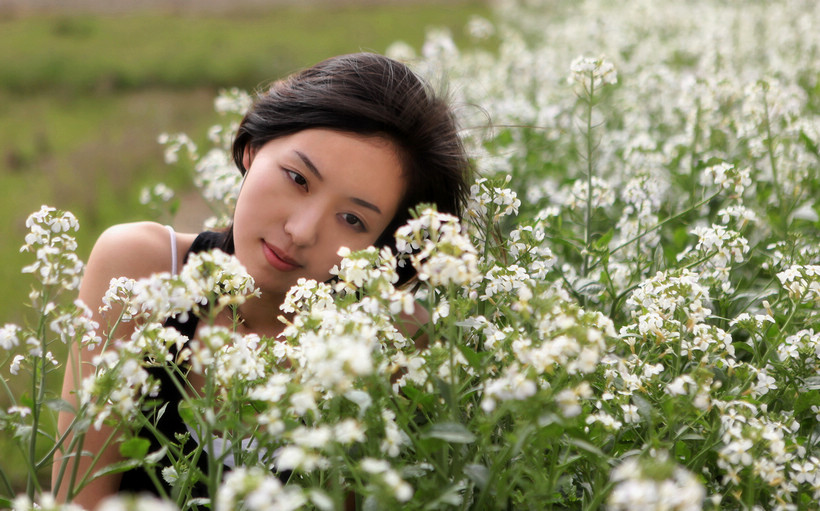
(260, 315)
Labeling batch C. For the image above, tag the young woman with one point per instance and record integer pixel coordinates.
(332, 156)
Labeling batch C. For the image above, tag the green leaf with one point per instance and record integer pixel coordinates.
(810, 383)
(135, 447)
(186, 413)
(588, 287)
(23, 432)
(451, 496)
(644, 406)
(479, 474)
(450, 432)
(59, 405)
(444, 391)
(680, 237)
(602, 243)
(586, 446)
(25, 400)
(418, 396)
(161, 412)
(116, 468)
(475, 359)
(551, 425)
(550, 418)
(805, 400)
(415, 471)
(156, 456)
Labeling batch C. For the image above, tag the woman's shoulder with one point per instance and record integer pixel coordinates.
(137, 249)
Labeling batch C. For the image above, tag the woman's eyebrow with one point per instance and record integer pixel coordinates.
(312, 168)
(364, 203)
(309, 164)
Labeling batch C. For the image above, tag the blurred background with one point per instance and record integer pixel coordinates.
(87, 86)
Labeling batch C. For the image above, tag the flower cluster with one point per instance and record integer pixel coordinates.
(50, 239)
(592, 73)
(253, 489)
(651, 484)
(717, 250)
(439, 250)
(802, 282)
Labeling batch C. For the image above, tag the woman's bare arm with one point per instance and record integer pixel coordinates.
(129, 250)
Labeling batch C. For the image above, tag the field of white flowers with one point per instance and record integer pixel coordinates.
(627, 318)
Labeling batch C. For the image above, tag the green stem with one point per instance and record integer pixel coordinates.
(504, 455)
(6, 483)
(58, 442)
(38, 388)
(590, 165)
(213, 481)
(75, 467)
(770, 150)
(88, 473)
(791, 316)
(662, 223)
(693, 151)
(599, 497)
(6, 387)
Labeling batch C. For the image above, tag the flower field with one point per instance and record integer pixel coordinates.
(626, 317)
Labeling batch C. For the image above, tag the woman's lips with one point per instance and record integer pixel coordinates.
(278, 259)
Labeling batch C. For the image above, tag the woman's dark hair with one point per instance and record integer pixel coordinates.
(369, 95)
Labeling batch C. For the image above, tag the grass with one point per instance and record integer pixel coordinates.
(130, 52)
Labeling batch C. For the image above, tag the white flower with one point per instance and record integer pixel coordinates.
(47, 502)
(348, 431)
(232, 100)
(174, 143)
(56, 262)
(14, 368)
(170, 475)
(22, 410)
(591, 72)
(302, 402)
(639, 487)
(567, 399)
(631, 414)
(440, 252)
(727, 177)
(677, 387)
(765, 383)
(394, 437)
(374, 466)
(255, 489)
(401, 490)
(480, 28)
(313, 438)
(9, 336)
(157, 194)
(512, 385)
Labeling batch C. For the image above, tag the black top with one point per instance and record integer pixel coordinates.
(171, 424)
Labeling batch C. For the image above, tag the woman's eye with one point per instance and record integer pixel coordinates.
(353, 221)
(297, 178)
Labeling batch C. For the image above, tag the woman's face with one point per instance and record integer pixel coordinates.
(308, 194)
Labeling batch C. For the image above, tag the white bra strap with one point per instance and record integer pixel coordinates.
(173, 249)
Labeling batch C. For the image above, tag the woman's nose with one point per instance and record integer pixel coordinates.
(303, 226)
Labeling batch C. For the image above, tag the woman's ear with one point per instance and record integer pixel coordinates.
(247, 156)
